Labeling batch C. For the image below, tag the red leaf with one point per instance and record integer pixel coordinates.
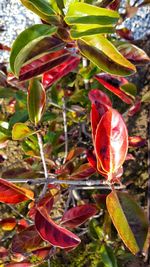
(113, 84)
(136, 141)
(114, 5)
(26, 240)
(8, 224)
(96, 95)
(92, 159)
(78, 215)
(125, 33)
(60, 71)
(135, 108)
(13, 194)
(53, 233)
(111, 141)
(3, 252)
(130, 157)
(4, 47)
(22, 224)
(83, 172)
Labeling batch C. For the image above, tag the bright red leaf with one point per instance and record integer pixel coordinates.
(60, 71)
(111, 141)
(78, 215)
(53, 233)
(8, 224)
(113, 84)
(12, 194)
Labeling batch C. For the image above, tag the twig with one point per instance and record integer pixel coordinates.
(60, 107)
(65, 129)
(44, 165)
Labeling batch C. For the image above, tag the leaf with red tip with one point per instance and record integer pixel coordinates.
(113, 84)
(53, 233)
(83, 172)
(111, 141)
(78, 215)
(8, 224)
(26, 240)
(12, 194)
(60, 71)
(36, 101)
(135, 108)
(133, 53)
(136, 141)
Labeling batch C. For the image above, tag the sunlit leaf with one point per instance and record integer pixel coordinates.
(26, 240)
(78, 215)
(8, 224)
(36, 101)
(146, 97)
(60, 71)
(104, 55)
(25, 43)
(133, 228)
(43, 9)
(53, 233)
(82, 13)
(114, 84)
(12, 194)
(111, 141)
(133, 53)
(21, 131)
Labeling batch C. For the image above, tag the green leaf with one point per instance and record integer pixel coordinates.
(105, 55)
(108, 256)
(36, 101)
(129, 220)
(44, 9)
(146, 97)
(18, 116)
(26, 42)
(81, 13)
(130, 89)
(20, 131)
(6, 92)
(80, 30)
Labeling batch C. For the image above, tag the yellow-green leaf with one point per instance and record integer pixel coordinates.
(105, 55)
(129, 220)
(21, 131)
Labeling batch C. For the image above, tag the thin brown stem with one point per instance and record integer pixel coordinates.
(65, 129)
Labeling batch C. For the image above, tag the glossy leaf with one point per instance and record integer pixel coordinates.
(114, 84)
(79, 30)
(83, 172)
(53, 233)
(133, 53)
(82, 13)
(36, 101)
(43, 64)
(43, 9)
(60, 71)
(111, 141)
(13, 194)
(26, 240)
(136, 141)
(96, 95)
(104, 55)
(108, 256)
(25, 43)
(21, 131)
(78, 215)
(133, 228)
(8, 224)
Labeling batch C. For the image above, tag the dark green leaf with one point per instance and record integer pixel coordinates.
(108, 256)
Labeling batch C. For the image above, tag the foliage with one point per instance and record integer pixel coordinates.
(50, 92)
